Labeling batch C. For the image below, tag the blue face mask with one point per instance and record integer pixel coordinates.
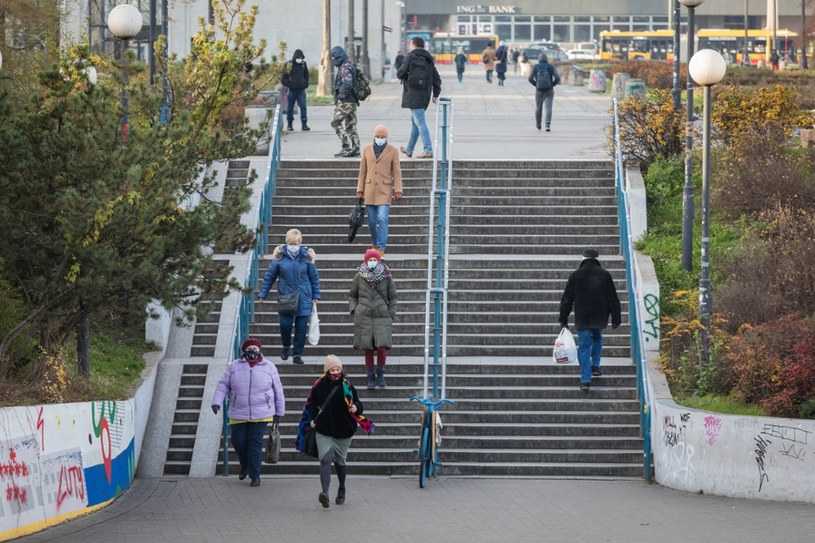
(380, 141)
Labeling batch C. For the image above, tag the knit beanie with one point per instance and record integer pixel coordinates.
(331, 361)
(372, 253)
(249, 342)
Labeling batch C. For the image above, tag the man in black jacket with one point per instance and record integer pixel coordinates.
(420, 83)
(590, 289)
(544, 78)
(296, 79)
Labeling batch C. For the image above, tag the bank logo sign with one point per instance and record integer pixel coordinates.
(487, 9)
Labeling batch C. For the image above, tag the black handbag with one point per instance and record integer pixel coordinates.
(310, 434)
(355, 219)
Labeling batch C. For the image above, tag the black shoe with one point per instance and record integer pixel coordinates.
(242, 475)
(284, 354)
(290, 128)
(351, 153)
(584, 388)
(341, 153)
(255, 482)
(297, 360)
(538, 126)
(340, 496)
(305, 127)
(324, 500)
(547, 128)
(595, 372)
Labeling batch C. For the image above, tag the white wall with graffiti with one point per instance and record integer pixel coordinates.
(730, 455)
(59, 461)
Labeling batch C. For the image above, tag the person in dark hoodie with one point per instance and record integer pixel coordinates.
(590, 289)
(295, 77)
(544, 78)
(420, 83)
(344, 120)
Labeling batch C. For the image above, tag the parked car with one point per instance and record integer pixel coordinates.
(580, 54)
(532, 53)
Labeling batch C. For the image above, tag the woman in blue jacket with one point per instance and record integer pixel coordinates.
(293, 267)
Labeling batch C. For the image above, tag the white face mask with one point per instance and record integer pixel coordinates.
(298, 60)
(380, 141)
(372, 263)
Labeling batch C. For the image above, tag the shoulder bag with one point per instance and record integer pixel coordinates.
(310, 434)
(288, 304)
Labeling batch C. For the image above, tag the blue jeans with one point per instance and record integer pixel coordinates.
(378, 224)
(300, 98)
(589, 348)
(489, 75)
(419, 125)
(300, 325)
(247, 439)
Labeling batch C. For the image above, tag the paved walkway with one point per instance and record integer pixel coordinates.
(490, 122)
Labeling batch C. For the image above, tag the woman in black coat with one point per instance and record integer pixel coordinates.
(461, 62)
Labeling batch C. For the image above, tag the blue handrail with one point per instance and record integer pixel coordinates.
(637, 339)
(246, 307)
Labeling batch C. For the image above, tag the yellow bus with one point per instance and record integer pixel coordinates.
(759, 43)
(647, 45)
(444, 46)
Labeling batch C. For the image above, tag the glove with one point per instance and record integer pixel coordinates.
(216, 408)
(564, 325)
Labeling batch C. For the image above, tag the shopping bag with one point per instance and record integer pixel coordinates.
(565, 351)
(355, 220)
(272, 452)
(313, 327)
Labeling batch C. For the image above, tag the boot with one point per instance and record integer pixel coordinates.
(305, 127)
(371, 380)
(290, 127)
(341, 470)
(380, 377)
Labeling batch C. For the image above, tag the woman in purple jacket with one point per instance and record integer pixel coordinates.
(255, 399)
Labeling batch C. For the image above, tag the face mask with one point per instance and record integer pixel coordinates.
(334, 376)
(298, 60)
(372, 263)
(380, 141)
(253, 355)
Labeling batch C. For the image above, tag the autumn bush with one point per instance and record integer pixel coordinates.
(650, 128)
(656, 74)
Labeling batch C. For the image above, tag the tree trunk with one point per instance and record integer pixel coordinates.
(83, 355)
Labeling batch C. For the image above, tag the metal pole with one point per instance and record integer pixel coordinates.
(351, 49)
(125, 121)
(803, 59)
(677, 93)
(151, 54)
(688, 210)
(705, 296)
(366, 62)
(746, 26)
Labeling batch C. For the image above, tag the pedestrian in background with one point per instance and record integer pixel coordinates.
(373, 304)
(256, 398)
(501, 59)
(461, 63)
(524, 61)
(515, 55)
(421, 83)
(399, 60)
(379, 182)
(294, 268)
(336, 400)
(591, 291)
(544, 78)
(488, 59)
(295, 77)
(344, 120)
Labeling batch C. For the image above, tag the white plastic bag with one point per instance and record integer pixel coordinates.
(314, 327)
(565, 351)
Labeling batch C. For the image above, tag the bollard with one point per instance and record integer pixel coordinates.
(576, 78)
(618, 85)
(635, 87)
(597, 81)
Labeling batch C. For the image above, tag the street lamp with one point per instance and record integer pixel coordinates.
(124, 22)
(687, 192)
(707, 68)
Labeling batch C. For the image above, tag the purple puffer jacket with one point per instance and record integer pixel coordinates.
(254, 393)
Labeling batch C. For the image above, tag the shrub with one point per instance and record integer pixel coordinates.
(656, 74)
(650, 128)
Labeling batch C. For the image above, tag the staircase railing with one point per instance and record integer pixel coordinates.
(245, 312)
(438, 252)
(634, 293)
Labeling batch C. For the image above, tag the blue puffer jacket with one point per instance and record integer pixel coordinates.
(254, 393)
(283, 269)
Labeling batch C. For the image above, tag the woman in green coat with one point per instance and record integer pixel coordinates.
(373, 304)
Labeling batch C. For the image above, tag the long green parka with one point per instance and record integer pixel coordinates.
(374, 310)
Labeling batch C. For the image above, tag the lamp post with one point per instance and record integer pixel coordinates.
(676, 94)
(124, 22)
(688, 210)
(707, 68)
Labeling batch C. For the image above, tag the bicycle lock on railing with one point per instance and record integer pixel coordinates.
(438, 247)
(245, 312)
(637, 339)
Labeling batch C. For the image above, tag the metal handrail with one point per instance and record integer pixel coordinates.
(245, 312)
(634, 293)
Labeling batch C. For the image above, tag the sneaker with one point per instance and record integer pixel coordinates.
(341, 153)
(425, 155)
(351, 153)
(324, 500)
(547, 128)
(284, 354)
(405, 152)
(297, 360)
(584, 388)
(255, 482)
(538, 126)
(595, 372)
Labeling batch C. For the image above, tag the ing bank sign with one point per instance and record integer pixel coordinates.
(486, 9)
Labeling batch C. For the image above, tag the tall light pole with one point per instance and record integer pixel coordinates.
(688, 210)
(352, 54)
(676, 92)
(124, 22)
(708, 68)
(365, 60)
(324, 84)
(803, 59)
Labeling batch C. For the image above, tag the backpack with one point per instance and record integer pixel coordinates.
(418, 71)
(485, 59)
(362, 87)
(543, 81)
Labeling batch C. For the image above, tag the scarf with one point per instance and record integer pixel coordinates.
(379, 148)
(376, 275)
(293, 250)
(366, 425)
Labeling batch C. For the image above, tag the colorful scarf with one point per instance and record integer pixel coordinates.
(366, 425)
(376, 275)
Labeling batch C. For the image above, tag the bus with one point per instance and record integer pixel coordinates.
(444, 46)
(646, 45)
(759, 43)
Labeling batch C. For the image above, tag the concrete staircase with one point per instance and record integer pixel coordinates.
(517, 229)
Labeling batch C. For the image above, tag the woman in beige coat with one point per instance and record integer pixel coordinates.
(489, 60)
(380, 181)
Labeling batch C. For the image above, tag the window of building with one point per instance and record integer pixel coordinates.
(560, 32)
(582, 33)
(523, 33)
(543, 32)
(504, 32)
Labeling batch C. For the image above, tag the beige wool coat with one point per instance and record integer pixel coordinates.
(490, 53)
(379, 178)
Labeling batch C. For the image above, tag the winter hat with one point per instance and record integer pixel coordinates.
(338, 54)
(591, 253)
(372, 253)
(543, 58)
(381, 131)
(249, 342)
(331, 361)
